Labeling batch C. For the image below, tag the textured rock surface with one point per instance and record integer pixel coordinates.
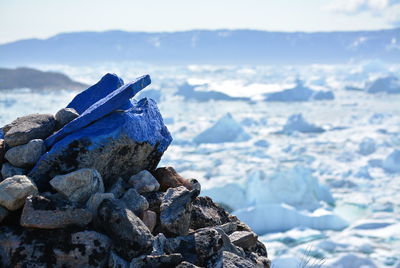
(53, 248)
(130, 235)
(8, 170)
(229, 260)
(118, 145)
(64, 116)
(104, 106)
(243, 239)
(26, 155)
(95, 200)
(206, 213)
(175, 211)
(14, 190)
(167, 177)
(149, 218)
(45, 213)
(2, 150)
(3, 213)
(118, 188)
(29, 127)
(144, 182)
(157, 261)
(135, 202)
(79, 185)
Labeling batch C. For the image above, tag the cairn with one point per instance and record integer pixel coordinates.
(82, 189)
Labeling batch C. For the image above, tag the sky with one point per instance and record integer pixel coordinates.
(22, 19)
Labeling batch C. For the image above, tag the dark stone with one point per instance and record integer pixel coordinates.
(29, 127)
(227, 259)
(156, 261)
(186, 264)
(115, 261)
(206, 213)
(175, 211)
(118, 145)
(3, 213)
(64, 116)
(154, 199)
(130, 235)
(135, 202)
(167, 177)
(2, 150)
(53, 248)
(117, 188)
(8, 170)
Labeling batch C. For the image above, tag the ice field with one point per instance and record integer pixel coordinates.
(316, 175)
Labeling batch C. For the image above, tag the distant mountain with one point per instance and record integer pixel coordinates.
(206, 47)
(35, 79)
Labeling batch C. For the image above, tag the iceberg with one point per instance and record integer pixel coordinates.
(392, 163)
(226, 129)
(296, 122)
(390, 85)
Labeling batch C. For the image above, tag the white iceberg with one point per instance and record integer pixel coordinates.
(390, 85)
(226, 129)
(296, 122)
(392, 163)
(367, 146)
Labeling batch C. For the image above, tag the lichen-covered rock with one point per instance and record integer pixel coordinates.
(175, 211)
(29, 127)
(156, 261)
(144, 182)
(53, 248)
(8, 170)
(26, 155)
(64, 116)
(79, 185)
(117, 145)
(14, 191)
(206, 213)
(45, 213)
(135, 202)
(167, 177)
(130, 235)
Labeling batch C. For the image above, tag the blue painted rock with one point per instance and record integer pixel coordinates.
(93, 94)
(118, 145)
(113, 101)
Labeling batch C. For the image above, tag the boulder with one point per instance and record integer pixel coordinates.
(2, 150)
(8, 170)
(149, 218)
(243, 239)
(14, 191)
(135, 202)
(130, 235)
(64, 116)
(79, 185)
(205, 213)
(154, 199)
(167, 177)
(53, 248)
(186, 264)
(118, 188)
(3, 213)
(175, 211)
(227, 259)
(29, 127)
(117, 145)
(156, 261)
(26, 155)
(144, 182)
(52, 213)
(115, 261)
(95, 200)
(113, 101)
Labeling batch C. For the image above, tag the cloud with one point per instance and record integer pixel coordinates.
(389, 10)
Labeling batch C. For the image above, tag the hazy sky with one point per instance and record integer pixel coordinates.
(21, 19)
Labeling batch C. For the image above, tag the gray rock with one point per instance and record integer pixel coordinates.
(243, 239)
(135, 202)
(117, 188)
(115, 261)
(228, 227)
(44, 213)
(29, 127)
(206, 213)
(14, 191)
(8, 170)
(159, 244)
(156, 261)
(149, 218)
(175, 211)
(26, 155)
(186, 264)
(95, 200)
(79, 185)
(64, 116)
(130, 236)
(144, 182)
(53, 248)
(2, 150)
(229, 260)
(155, 200)
(3, 213)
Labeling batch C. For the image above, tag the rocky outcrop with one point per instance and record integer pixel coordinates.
(96, 199)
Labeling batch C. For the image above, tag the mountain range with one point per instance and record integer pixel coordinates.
(206, 47)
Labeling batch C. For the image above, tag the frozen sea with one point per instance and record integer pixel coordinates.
(331, 196)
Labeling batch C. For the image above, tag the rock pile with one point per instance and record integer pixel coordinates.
(82, 189)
